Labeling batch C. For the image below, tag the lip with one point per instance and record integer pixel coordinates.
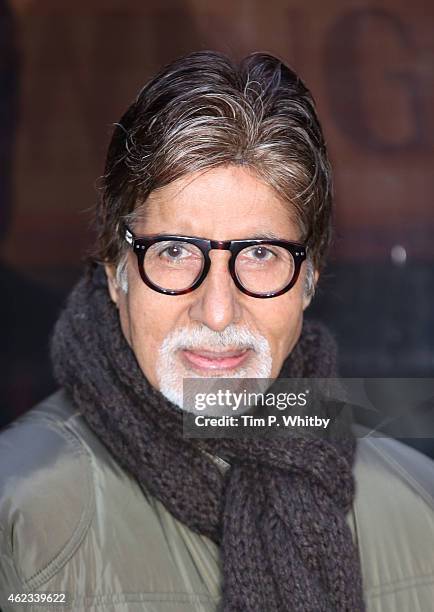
(212, 361)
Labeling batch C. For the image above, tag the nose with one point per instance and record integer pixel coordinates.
(216, 304)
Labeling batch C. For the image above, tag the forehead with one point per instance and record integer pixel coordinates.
(223, 203)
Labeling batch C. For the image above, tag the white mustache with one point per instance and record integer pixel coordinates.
(170, 372)
(232, 337)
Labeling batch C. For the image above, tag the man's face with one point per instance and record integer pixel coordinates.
(216, 330)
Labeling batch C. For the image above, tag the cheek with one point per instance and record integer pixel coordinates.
(142, 324)
(146, 319)
(280, 322)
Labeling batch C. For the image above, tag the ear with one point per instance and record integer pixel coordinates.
(308, 298)
(112, 284)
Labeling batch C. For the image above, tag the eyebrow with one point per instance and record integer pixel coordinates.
(266, 236)
(260, 235)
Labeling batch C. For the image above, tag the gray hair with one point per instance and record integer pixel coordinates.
(204, 111)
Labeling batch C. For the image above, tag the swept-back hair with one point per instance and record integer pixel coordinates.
(203, 111)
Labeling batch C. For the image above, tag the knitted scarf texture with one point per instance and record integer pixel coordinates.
(277, 513)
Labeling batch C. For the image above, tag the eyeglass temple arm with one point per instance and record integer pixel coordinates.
(129, 237)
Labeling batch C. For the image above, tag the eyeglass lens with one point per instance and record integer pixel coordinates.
(175, 266)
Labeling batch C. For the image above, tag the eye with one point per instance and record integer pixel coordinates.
(175, 252)
(172, 250)
(260, 253)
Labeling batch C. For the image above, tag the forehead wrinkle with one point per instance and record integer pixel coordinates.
(177, 187)
(161, 202)
(188, 229)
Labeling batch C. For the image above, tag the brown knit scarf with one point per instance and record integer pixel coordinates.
(278, 513)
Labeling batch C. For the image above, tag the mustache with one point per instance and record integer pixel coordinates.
(233, 337)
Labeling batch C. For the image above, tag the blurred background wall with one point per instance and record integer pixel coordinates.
(68, 70)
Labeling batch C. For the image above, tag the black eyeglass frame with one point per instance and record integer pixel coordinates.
(140, 244)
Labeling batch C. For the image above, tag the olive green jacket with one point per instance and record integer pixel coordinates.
(71, 520)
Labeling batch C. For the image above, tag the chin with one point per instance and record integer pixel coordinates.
(171, 379)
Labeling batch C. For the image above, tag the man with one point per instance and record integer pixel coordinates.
(212, 230)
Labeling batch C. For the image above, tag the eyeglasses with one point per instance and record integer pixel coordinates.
(176, 265)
